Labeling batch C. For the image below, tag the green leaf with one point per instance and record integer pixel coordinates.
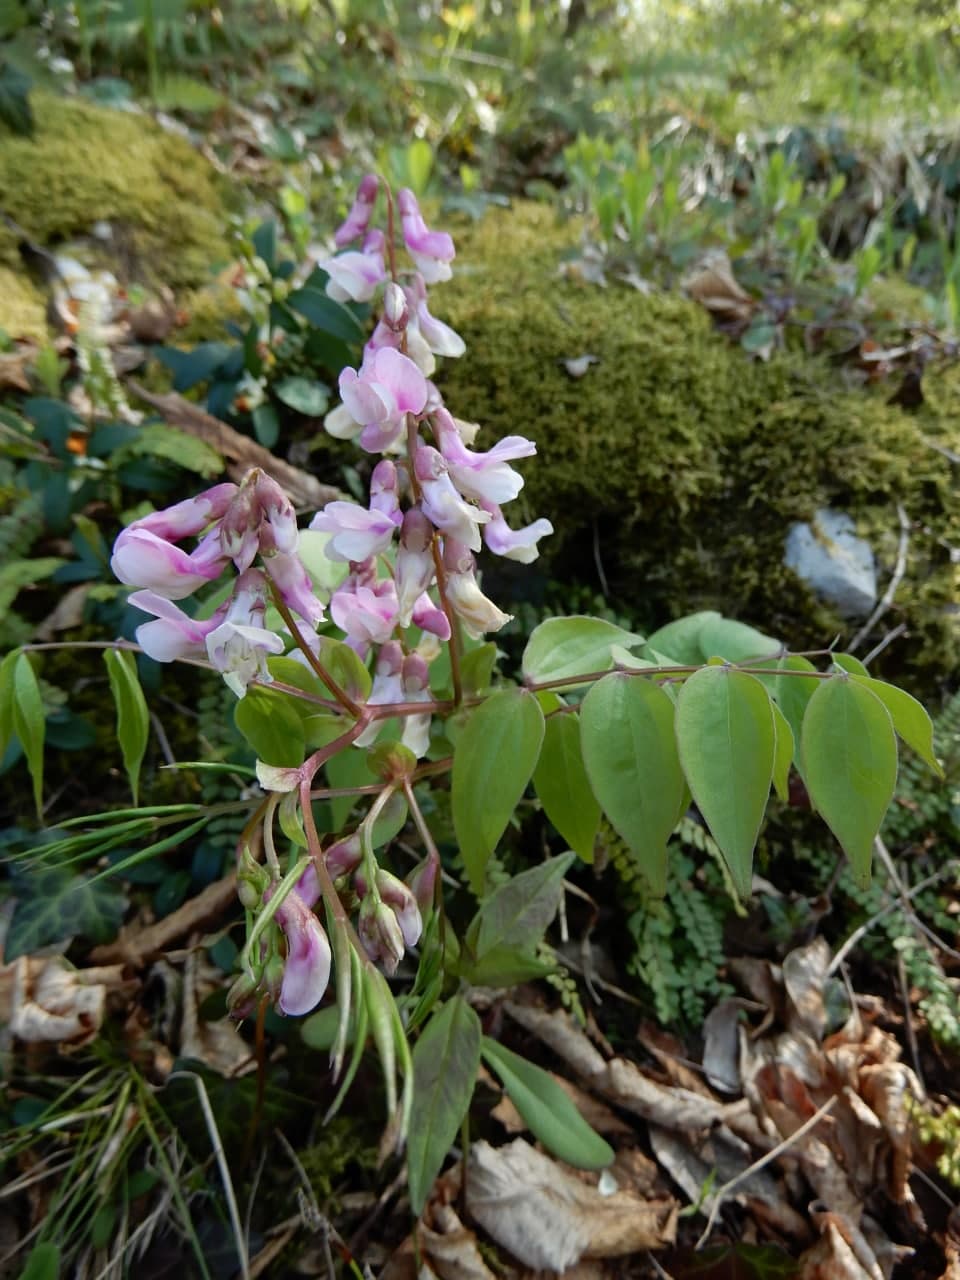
(735, 641)
(15, 111)
(505, 967)
(29, 723)
(847, 662)
(850, 764)
(305, 395)
(419, 164)
(680, 640)
(547, 1110)
(517, 913)
(561, 783)
(264, 241)
(158, 440)
(563, 647)
(445, 1064)
(630, 754)
(133, 718)
(343, 664)
(493, 759)
(23, 573)
(784, 756)
(7, 670)
(43, 1263)
(56, 905)
(476, 668)
(727, 742)
(272, 728)
(909, 717)
(792, 694)
(266, 424)
(322, 312)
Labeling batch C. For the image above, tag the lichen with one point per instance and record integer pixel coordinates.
(680, 461)
(87, 164)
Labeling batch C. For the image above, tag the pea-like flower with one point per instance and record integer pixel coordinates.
(356, 275)
(443, 503)
(358, 219)
(306, 969)
(477, 613)
(387, 387)
(514, 544)
(358, 533)
(239, 646)
(173, 634)
(486, 477)
(431, 251)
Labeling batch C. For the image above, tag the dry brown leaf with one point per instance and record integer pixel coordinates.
(305, 490)
(451, 1248)
(547, 1217)
(67, 613)
(13, 369)
(721, 1045)
(804, 976)
(52, 1002)
(218, 1045)
(712, 283)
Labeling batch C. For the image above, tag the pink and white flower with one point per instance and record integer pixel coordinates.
(388, 386)
(415, 686)
(366, 614)
(415, 567)
(477, 613)
(514, 544)
(142, 559)
(443, 503)
(238, 647)
(431, 251)
(358, 219)
(173, 634)
(296, 590)
(486, 477)
(355, 276)
(357, 533)
(306, 970)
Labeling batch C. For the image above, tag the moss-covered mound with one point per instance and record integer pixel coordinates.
(686, 462)
(87, 164)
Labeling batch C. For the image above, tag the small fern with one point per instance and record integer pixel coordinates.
(678, 951)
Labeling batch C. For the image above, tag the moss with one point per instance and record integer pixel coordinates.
(23, 307)
(683, 458)
(87, 164)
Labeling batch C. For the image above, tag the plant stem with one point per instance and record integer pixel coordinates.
(316, 665)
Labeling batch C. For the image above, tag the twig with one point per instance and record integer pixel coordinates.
(221, 1158)
(867, 925)
(889, 638)
(722, 1192)
(134, 948)
(886, 600)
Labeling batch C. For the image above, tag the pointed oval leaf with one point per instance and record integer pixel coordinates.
(29, 722)
(680, 640)
(563, 788)
(850, 764)
(547, 1110)
(784, 756)
(133, 718)
(493, 759)
(630, 754)
(517, 913)
(7, 672)
(792, 694)
(727, 742)
(445, 1063)
(271, 726)
(573, 646)
(909, 718)
(847, 662)
(735, 641)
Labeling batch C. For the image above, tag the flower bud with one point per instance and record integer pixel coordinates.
(422, 883)
(341, 858)
(380, 934)
(396, 311)
(400, 897)
(241, 998)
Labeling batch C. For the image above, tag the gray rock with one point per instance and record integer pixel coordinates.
(838, 566)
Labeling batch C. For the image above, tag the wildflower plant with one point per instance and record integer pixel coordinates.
(360, 643)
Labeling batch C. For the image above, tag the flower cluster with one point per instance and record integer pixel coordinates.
(410, 572)
(234, 524)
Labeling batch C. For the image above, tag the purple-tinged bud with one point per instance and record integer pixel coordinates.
(380, 934)
(396, 309)
(241, 998)
(422, 883)
(240, 526)
(414, 567)
(358, 219)
(308, 886)
(279, 530)
(400, 897)
(341, 858)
